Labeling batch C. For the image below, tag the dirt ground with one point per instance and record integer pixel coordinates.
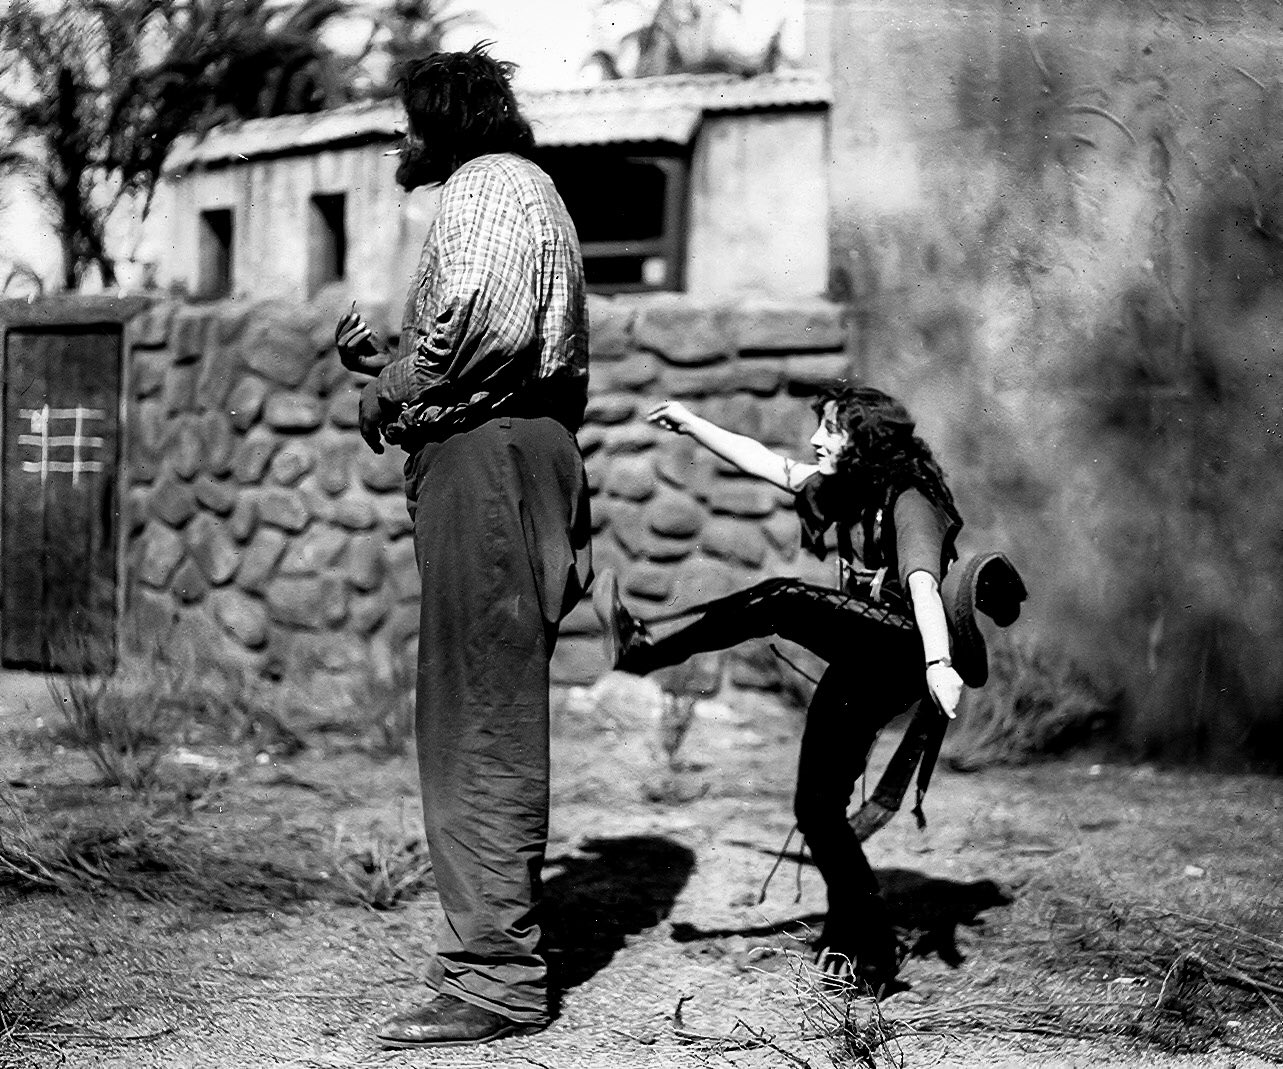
(663, 953)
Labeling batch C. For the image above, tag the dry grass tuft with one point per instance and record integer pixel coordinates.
(154, 858)
(1129, 973)
(382, 699)
(165, 857)
(1037, 701)
(382, 873)
(125, 719)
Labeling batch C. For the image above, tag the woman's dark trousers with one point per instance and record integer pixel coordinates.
(875, 673)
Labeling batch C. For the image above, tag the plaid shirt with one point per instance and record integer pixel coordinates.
(497, 303)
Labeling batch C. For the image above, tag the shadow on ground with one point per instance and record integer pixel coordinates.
(930, 910)
(926, 910)
(606, 891)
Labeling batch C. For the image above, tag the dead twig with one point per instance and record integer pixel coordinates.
(1251, 78)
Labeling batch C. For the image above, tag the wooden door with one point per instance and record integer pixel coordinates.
(59, 463)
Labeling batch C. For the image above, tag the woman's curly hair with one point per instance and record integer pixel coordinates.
(882, 453)
(464, 100)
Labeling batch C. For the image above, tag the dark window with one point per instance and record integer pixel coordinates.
(327, 240)
(214, 249)
(629, 211)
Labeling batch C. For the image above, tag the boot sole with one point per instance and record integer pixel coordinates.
(506, 1032)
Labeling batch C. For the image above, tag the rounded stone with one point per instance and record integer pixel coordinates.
(394, 516)
(748, 500)
(277, 350)
(632, 438)
(190, 583)
(244, 518)
(365, 562)
(135, 511)
(674, 515)
(649, 581)
(314, 552)
(307, 601)
(253, 455)
(334, 473)
(291, 462)
(383, 471)
(218, 497)
(403, 571)
(217, 443)
(162, 550)
(635, 372)
(610, 409)
(355, 513)
(245, 403)
(258, 561)
(283, 508)
(368, 611)
(734, 540)
(344, 410)
(684, 331)
(186, 451)
(293, 412)
(403, 624)
(241, 616)
(218, 373)
(147, 373)
(212, 549)
(180, 390)
(173, 502)
(631, 477)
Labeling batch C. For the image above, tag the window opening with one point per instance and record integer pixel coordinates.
(629, 212)
(214, 249)
(327, 229)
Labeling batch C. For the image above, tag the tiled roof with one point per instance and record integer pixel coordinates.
(639, 109)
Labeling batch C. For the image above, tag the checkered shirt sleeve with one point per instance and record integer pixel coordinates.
(500, 283)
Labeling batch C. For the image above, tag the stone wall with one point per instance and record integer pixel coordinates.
(260, 526)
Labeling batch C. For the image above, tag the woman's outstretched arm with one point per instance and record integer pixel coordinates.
(747, 454)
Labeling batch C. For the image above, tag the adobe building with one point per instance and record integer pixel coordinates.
(237, 506)
(709, 184)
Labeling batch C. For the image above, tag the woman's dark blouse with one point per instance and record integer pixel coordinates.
(912, 534)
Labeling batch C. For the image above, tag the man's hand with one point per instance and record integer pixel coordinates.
(359, 348)
(373, 415)
(946, 688)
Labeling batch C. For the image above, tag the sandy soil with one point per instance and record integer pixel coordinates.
(653, 881)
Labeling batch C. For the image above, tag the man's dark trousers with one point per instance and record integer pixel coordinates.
(502, 538)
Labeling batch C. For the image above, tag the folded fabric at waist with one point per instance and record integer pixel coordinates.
(436, 423)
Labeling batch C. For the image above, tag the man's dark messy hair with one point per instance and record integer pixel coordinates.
(462, 105)
(882, 454)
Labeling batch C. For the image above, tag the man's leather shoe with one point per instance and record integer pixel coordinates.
(448, 1021)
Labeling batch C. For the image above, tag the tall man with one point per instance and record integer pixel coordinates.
(484, 394)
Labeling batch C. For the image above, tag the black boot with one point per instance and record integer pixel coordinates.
(859, 944)
(625, 637)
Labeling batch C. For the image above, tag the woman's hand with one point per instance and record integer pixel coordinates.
(359, 348)
(672, 416)
(946, 688)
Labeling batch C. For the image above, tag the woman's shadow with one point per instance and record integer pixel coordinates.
(606, 891)
(927, 912)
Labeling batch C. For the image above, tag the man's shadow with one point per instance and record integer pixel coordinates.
(607, 890)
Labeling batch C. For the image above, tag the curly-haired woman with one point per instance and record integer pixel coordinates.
(883, 630)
